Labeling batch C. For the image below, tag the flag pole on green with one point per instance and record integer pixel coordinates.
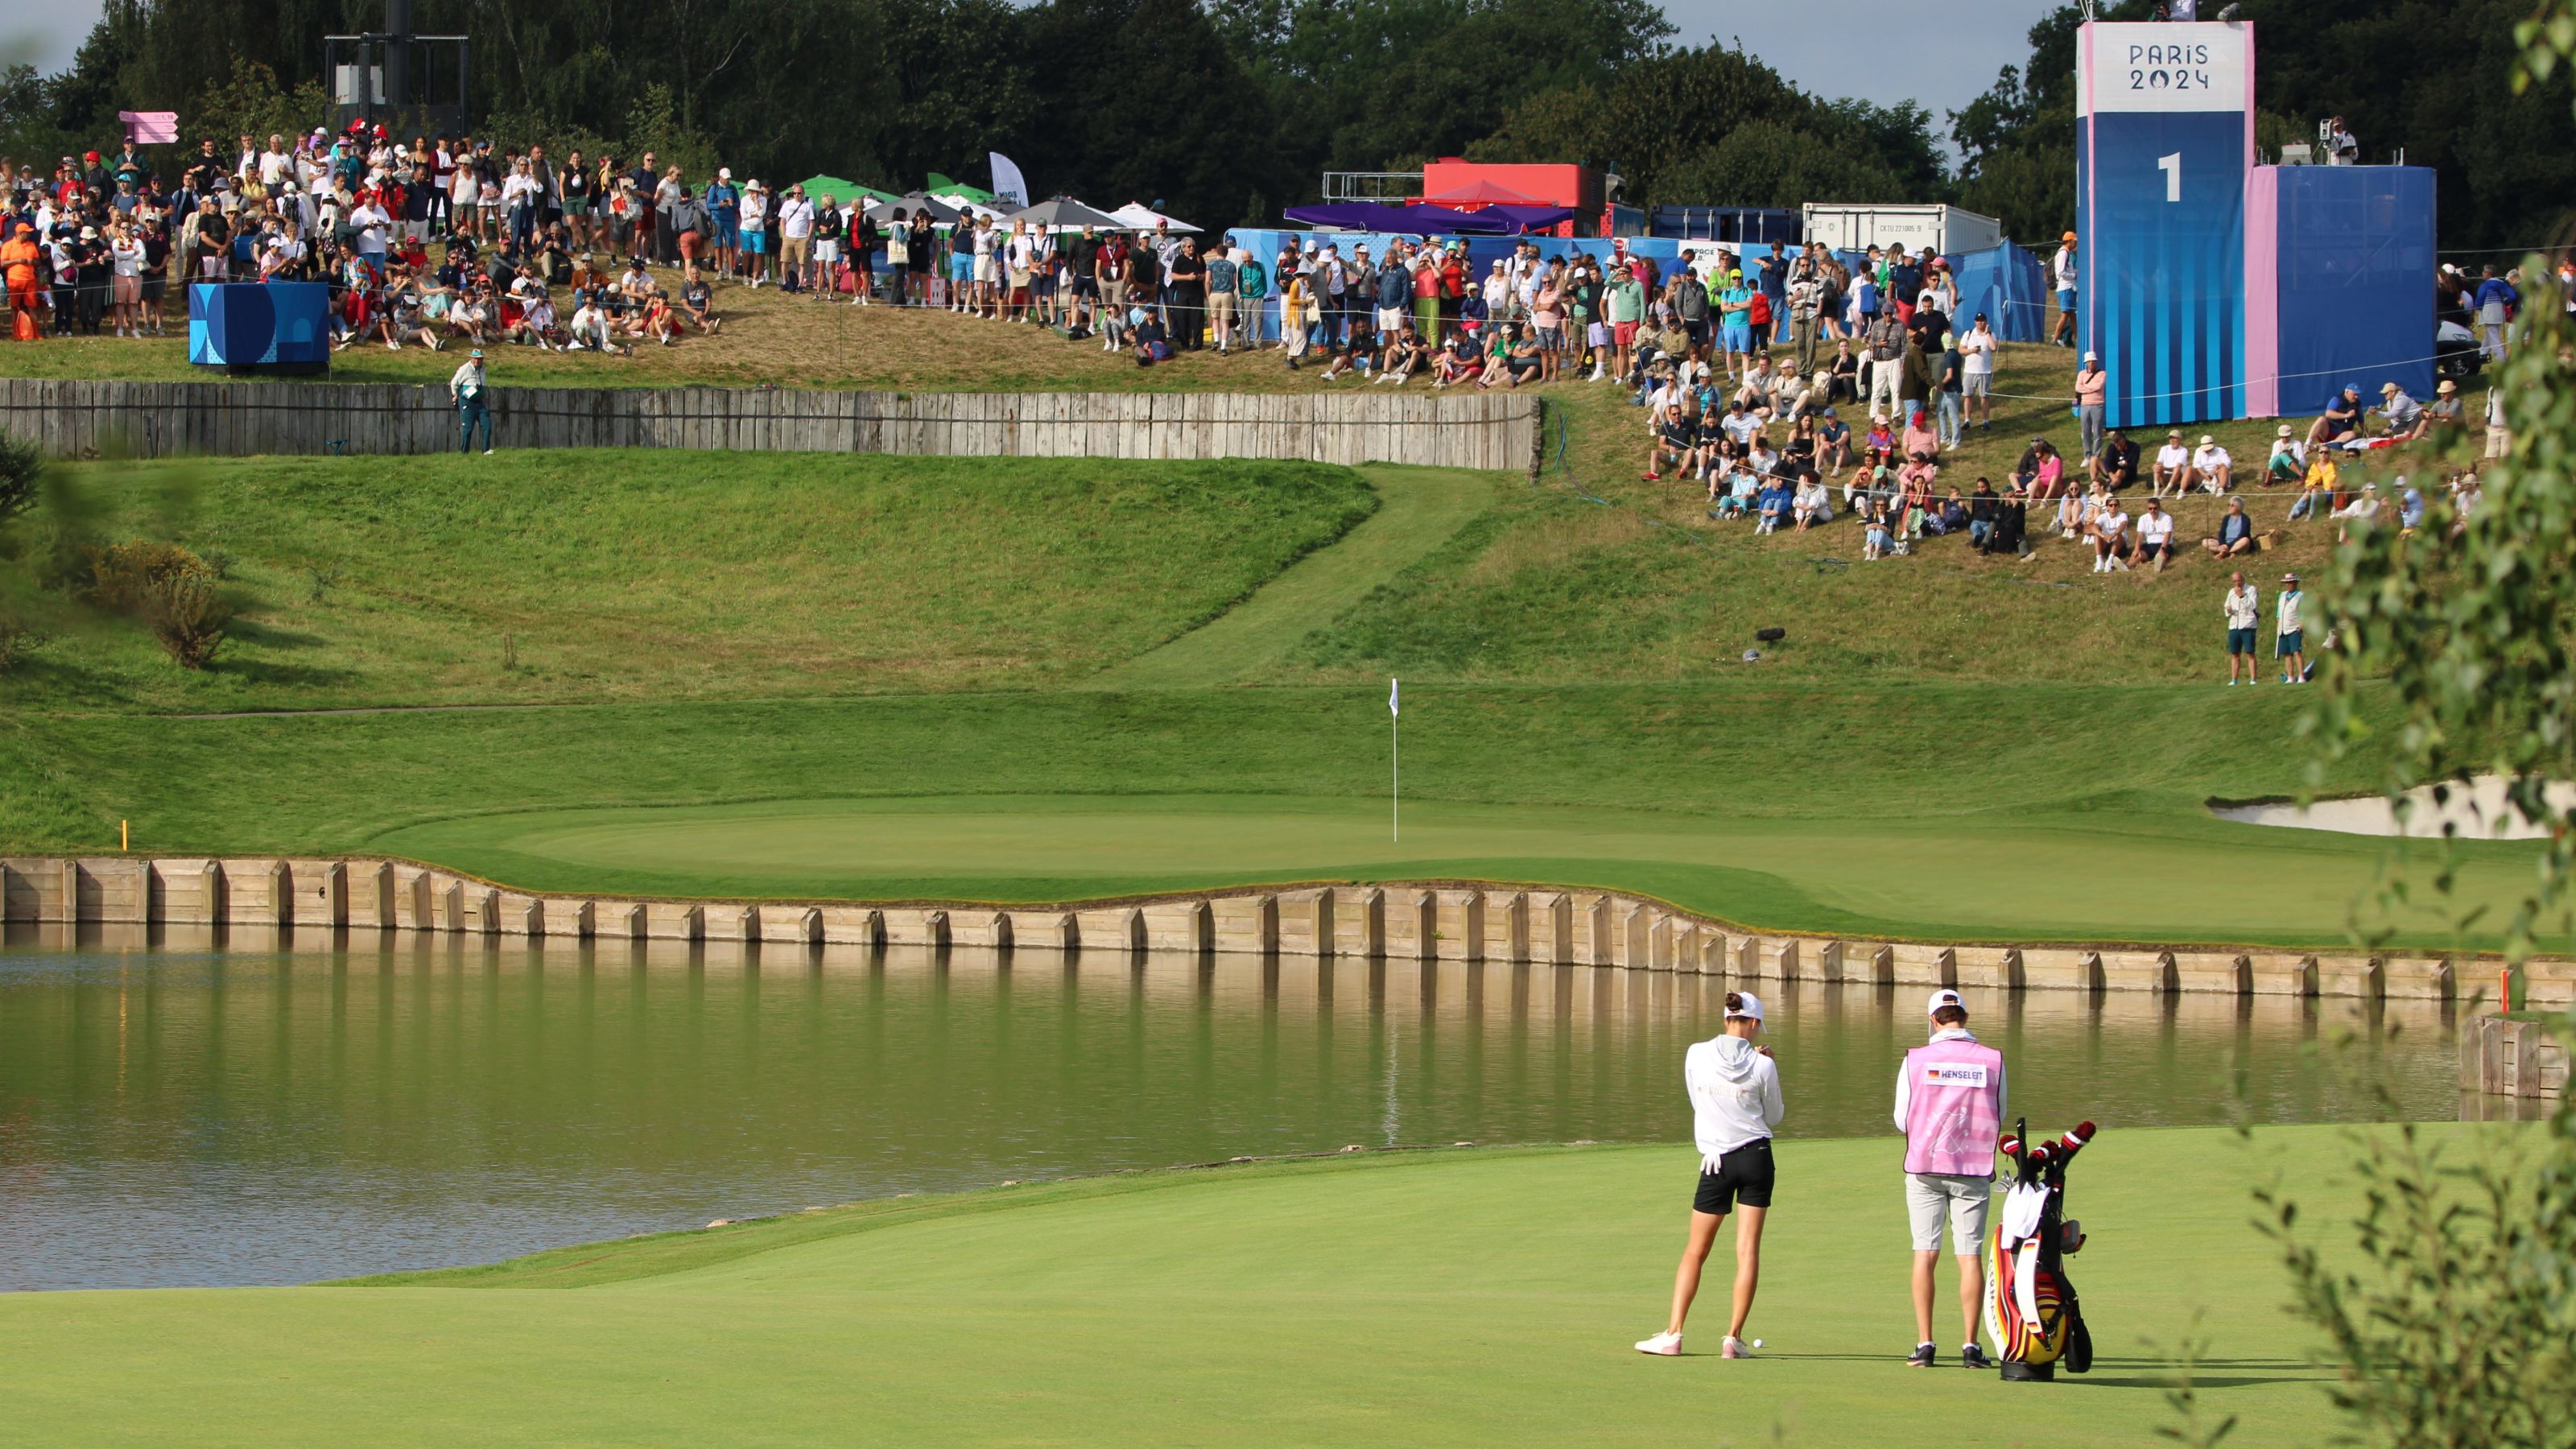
(1394, 764)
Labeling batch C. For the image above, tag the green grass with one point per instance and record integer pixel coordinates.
(1439, 1298)
(671, 575)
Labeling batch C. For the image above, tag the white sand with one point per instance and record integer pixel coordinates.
(2477, 811)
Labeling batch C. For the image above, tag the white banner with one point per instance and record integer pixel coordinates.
(1010, 191)
(2147, 66)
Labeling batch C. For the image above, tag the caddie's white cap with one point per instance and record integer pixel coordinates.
(1944, 997)
(1749, 1007)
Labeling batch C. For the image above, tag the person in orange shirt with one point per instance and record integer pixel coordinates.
(18, 268)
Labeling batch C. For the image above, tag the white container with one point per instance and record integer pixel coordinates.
(1940, 229)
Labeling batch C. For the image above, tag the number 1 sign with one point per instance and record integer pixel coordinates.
(2164, 142)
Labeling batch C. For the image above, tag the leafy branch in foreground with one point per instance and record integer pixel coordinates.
(2457, 1325)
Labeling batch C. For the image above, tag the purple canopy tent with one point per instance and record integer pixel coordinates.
(1400, 220)
(1529, 218)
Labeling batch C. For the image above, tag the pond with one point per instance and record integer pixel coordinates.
(318, 1106)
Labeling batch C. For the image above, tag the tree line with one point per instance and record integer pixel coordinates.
(1227, 110)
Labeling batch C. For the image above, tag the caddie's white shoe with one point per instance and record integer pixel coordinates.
(1664, 1345)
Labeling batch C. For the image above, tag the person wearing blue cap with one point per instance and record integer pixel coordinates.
(1735, 1102)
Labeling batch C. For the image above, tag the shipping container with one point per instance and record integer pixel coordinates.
(1928, 227)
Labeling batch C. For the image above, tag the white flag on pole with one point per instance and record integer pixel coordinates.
(1010, 190)
(1391, 698)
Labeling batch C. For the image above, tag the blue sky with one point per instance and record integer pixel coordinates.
(1820, 44)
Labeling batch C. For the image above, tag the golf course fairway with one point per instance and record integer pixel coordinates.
(1448, 1297)
(1957, 878)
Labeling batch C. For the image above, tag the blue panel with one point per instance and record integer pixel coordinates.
(256, 324)
(2356, 245)
(2161, 202)
(2009, 285)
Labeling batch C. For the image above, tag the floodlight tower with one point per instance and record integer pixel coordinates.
(407, 81)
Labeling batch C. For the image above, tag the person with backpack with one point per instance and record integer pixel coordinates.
(1950, 1106)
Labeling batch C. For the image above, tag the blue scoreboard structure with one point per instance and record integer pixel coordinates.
(2164, 145)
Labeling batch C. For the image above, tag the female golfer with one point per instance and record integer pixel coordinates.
(1735, 1102)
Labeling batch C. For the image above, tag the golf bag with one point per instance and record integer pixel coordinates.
(2031, 1310)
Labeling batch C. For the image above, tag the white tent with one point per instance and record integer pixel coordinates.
(1145, 218)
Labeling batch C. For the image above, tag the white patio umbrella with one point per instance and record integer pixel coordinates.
(1145, 218)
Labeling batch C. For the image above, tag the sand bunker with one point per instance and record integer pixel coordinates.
(2476, 811)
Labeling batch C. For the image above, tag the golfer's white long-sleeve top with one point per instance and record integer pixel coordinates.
(1734, 1093)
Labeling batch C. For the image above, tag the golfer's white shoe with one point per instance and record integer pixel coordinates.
(1733, 1348)
(1665, 1345)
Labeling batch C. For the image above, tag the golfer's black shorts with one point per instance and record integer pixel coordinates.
(1743, 1175)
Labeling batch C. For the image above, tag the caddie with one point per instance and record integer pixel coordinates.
(1950, 1105)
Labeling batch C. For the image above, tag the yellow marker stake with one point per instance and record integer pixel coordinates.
(124, 836)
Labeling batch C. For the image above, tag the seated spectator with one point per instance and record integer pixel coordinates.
(2443, 413)
(1982, 504)
(1813, 503)
(2289, 460)
(1843, 379)
(1403, 358)
(1875, 477)
(1337, 365)
(2235, 532)
(2212, 470)
(1799, 451)
(1735, 487)
(2340, 420)
(2317, 490)
(1146, 339)
(2155, 535)
(2041, 472)
(590, 330)
(1948, 516)
(2110, 531)
(2115, 463)
(1673, 445)
(2403, 414)
(1919, 436)
(537, 323)
(1833, 443)
(1792, 399)
(1881, 438)
(2010, 533)
(2074, 517)
(2173, 465)
(697, 302)
(1879, 534)
(1455, 364)
(2410, 507)
(2357, 515)
(1774, 501)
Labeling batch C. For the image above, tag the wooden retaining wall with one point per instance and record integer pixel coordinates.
(81, 419)
(1399, 922)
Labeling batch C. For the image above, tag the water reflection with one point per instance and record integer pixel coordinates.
(290, 1108)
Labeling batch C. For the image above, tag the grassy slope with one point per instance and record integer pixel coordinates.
(1919, 754)
(662, 575)
(1462, 1298)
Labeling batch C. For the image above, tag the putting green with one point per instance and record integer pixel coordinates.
(1441, 1298)
(1943, 878)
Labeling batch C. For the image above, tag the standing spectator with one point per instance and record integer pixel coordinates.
(1625, 306)
(1887, 342)
(795, 238)
(2063, 270)
(2343, 148)
(1951, 390)
(2290, 631)
(2496, 298)
(2091, 383)
(467, 387)
(755, 232)
(1189, 298)
(1977, 374)
(647, 187)
(2499, 438)
(2242, 607)
(1803, 296)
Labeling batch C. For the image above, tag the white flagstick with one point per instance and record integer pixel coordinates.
(1395, 765)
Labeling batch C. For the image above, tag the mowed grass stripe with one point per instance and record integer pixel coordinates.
(1419, 509)
(1439, 1298)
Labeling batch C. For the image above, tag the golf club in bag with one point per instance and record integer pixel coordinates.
(2031, 1309)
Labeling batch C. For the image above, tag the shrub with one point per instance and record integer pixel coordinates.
(16, 636)
(172, 591)
(20, 467)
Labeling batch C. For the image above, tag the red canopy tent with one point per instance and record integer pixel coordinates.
(1481, 192)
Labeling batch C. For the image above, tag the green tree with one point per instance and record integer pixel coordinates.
(2453, 1319)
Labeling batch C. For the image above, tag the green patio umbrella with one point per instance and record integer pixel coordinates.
(844, 189)
(941, 186)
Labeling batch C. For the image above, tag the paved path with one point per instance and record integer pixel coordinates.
(1419, 509)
